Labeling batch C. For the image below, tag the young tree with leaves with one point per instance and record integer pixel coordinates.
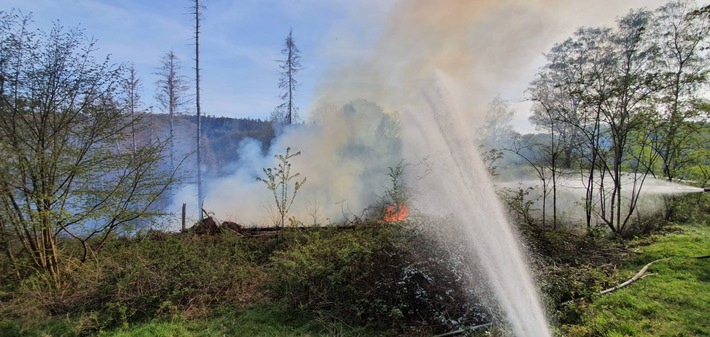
(61, 175)
(287, 111)
(278, 181)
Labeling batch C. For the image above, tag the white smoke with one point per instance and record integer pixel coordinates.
(488, 47)
(345, 153)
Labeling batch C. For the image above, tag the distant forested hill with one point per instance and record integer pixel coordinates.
(222, 137)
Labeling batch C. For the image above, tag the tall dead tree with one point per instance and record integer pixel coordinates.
(200, 192)
(287, 110)
(131, 86)
(171, 93)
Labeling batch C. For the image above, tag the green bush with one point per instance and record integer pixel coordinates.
(160, 275)
(689, 208)
(390, 275)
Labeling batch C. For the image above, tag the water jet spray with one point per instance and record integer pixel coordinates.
(459, 185)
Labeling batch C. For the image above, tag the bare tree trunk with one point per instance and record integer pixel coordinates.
(184, 225)
(200, 193)
(172, 140)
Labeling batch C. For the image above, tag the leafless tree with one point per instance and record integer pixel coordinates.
(200, 192)
(131, 86)
(171, 95)
(287, 111)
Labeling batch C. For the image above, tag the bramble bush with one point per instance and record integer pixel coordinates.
(386, 275)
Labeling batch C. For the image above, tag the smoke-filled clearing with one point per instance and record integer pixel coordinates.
(486, 47)
(436, 66)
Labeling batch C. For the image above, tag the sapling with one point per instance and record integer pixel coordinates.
(278, 181)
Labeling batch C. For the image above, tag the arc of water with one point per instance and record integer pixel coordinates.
(464, 187)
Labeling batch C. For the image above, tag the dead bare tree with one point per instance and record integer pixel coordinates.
(131, 85)
(200, 192)
(171, 95)
(286, 112)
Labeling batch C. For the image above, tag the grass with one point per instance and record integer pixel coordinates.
(266, 320)
(259, 321)
(673, 300)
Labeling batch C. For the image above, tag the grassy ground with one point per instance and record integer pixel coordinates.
(258, 321)
(174, 286)
(264, 321)
(672, 300)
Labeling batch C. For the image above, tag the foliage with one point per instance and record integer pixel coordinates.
(691, 208)
(572, 269)
(396, 198)
(626, 99)
(64, 172)
(519, 205)
(278, 181)
(392, 278)
(381, 275)
(490, 158)
(159, 275)
(259, 320)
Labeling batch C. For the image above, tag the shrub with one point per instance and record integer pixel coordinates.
(156, 276)
(388, 275)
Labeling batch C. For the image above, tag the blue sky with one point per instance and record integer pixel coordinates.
(242, 39)
(240, 42)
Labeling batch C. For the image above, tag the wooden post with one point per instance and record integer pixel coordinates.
(184, 227)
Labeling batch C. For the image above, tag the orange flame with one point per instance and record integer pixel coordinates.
(396, 212)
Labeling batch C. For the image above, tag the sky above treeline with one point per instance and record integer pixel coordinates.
(241, 40)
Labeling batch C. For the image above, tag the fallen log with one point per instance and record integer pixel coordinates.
(633, 279)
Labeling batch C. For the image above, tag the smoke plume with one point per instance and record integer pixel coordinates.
(485, 47)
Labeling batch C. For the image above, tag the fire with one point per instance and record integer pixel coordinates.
(396, 212)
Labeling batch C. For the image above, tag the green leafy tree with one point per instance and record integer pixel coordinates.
(597, 97)
(681, 33)
(61, 173)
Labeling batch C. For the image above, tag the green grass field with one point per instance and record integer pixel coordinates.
(673, 299)
(263, 321)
